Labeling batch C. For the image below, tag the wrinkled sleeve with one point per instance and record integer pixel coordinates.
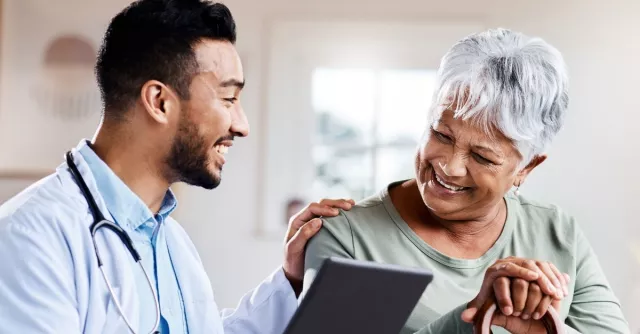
(37, 291)
(265, 309)
(595, 308)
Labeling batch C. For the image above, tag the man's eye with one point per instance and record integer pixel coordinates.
(231, 100)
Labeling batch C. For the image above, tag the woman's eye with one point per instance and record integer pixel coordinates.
(442, 137)
(482, 159)
(231, 100)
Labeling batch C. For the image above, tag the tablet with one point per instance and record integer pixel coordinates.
(352, 296)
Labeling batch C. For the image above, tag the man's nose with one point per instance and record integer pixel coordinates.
(239, 123)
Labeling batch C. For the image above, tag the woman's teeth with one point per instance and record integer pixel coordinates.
(448, 186)
(222, 149)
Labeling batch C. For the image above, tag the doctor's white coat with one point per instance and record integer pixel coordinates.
(50, 281)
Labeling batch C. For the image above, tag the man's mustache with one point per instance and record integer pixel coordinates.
(225, 138)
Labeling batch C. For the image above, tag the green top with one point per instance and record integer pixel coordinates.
(374, 231)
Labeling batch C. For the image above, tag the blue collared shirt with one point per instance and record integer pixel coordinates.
(147, 232)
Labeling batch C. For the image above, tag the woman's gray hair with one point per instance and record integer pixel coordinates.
(506, 81)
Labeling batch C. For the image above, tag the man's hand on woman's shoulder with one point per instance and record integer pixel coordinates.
(302, 226)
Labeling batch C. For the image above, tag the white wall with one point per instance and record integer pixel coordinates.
(31, 138)
(591, 170)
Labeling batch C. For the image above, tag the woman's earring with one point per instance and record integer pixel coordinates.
(517, 192)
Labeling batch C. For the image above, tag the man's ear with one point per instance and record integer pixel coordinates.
(159, 101)
(523, 173)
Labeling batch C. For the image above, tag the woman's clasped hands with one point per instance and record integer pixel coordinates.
(523, 290)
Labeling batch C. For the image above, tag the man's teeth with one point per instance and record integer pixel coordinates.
(221, 149)
(450, 187)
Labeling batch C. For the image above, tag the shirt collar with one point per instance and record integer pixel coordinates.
(124, 205)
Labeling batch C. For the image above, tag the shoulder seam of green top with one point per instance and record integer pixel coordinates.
(353, 242)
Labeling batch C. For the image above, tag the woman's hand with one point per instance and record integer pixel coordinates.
(527, 302)
(521, 301)
(512, 294)
(537, 304)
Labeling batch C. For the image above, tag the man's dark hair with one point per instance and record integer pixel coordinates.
(153, 40)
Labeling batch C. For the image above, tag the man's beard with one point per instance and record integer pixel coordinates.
(188, 159)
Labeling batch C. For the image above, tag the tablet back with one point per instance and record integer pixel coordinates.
(351, 296)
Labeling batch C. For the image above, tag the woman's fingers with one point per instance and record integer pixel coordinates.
(509, 269)
(521, 288)
(544, 281)
(546, 269)
(531, 299)
(542, 308)
(499, 269)
(534, 297)
(502, 291)
(519, 295)
(562, 278)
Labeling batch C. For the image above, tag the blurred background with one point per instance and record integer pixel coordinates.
(337, 92)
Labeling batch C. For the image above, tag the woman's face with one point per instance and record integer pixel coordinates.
(463, 172)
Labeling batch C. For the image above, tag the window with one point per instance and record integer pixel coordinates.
(367, 126)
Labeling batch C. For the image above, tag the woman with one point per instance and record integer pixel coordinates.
(500, 98)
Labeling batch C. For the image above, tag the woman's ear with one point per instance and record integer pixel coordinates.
(523, 173)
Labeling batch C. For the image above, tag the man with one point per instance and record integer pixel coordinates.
(170, 79)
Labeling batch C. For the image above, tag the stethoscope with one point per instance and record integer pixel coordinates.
(99, 221)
